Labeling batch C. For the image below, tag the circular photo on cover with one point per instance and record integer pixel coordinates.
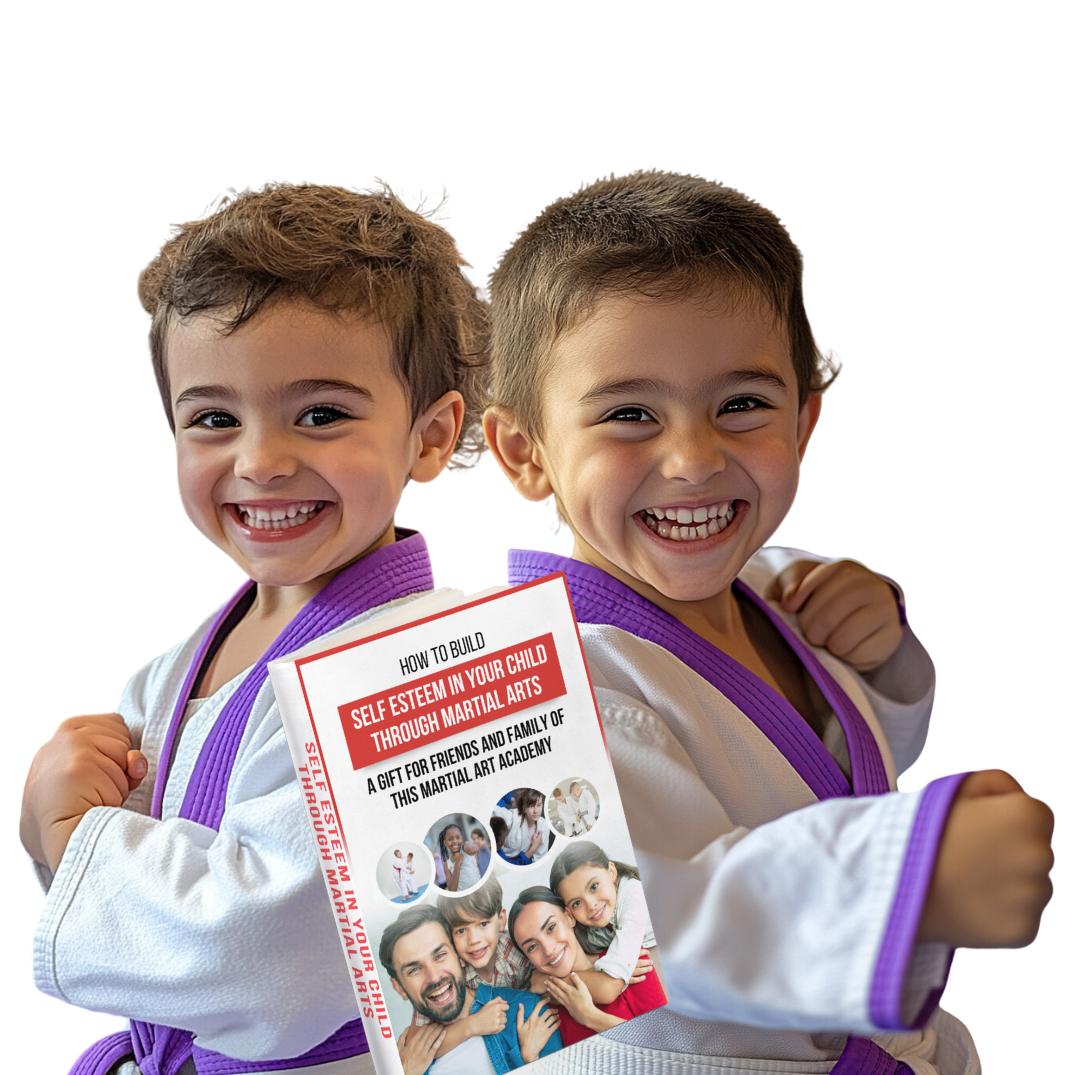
(461, 848)
(574, 806)
(521, 832)
(404, 871)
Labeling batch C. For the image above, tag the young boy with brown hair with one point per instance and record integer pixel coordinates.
(654, 369)
(315, 349)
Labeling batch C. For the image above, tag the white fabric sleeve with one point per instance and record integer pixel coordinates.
(227, 934)
(780, 925)
(622, 955)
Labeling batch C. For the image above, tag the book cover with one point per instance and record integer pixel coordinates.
(471, 833)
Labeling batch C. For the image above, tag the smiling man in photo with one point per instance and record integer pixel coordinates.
(470, 1030)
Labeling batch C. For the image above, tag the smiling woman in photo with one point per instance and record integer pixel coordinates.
(542, 927)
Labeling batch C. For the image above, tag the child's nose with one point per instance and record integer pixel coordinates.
(262, 457)
(694, 456)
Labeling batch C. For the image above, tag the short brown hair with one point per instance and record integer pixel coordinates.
(345, 252)
(659, 235)
(483, 904)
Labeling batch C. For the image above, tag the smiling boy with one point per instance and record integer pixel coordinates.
(315, 350)
(654, 369)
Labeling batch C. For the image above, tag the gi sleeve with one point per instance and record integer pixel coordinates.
(228, 934)
(806, 922)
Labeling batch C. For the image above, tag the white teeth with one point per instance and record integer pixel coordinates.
(279, 518)
(706, 521)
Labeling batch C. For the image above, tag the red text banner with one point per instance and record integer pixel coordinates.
(446, 703)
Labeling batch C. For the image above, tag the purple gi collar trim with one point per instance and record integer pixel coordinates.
(599, 598)
(868, 776)
(393, 571)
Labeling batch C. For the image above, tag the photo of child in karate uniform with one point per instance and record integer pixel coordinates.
(528, 834)
(573, 807)
(403, 872)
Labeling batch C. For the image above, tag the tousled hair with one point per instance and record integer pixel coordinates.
(654, 235)
(481, 904)
(407, 922)
(345, 252)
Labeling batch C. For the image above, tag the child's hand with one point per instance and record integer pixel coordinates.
(88, 762)
(534, 843)
(469, 849)
(533, 1033)
(991, 879)
(644, 966)
(490, 1019)
(417, 1047)
(844, 607)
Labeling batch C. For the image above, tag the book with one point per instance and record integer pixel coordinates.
(453, 762)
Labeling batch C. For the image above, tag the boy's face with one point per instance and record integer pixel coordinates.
(672, 440)
(477, 939)
(294, 439)
(479, 840)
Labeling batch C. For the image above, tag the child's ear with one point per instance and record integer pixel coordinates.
(502, 920)
(517, 453)
(809, 413)
(438, 429)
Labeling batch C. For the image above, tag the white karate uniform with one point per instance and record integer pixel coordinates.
(770, 906)
(410, 883)
(228, 934)
(520, 835)
(568, 811)
(399, 877)
(587, 805)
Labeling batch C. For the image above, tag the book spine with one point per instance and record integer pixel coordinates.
(336, 868)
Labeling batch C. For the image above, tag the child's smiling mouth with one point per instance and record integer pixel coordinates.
(276, 517)
(690, 523)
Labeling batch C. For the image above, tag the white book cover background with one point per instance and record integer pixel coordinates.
(426, 722)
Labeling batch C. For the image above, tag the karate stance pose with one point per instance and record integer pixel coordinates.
(315, 349)
(654, 369)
